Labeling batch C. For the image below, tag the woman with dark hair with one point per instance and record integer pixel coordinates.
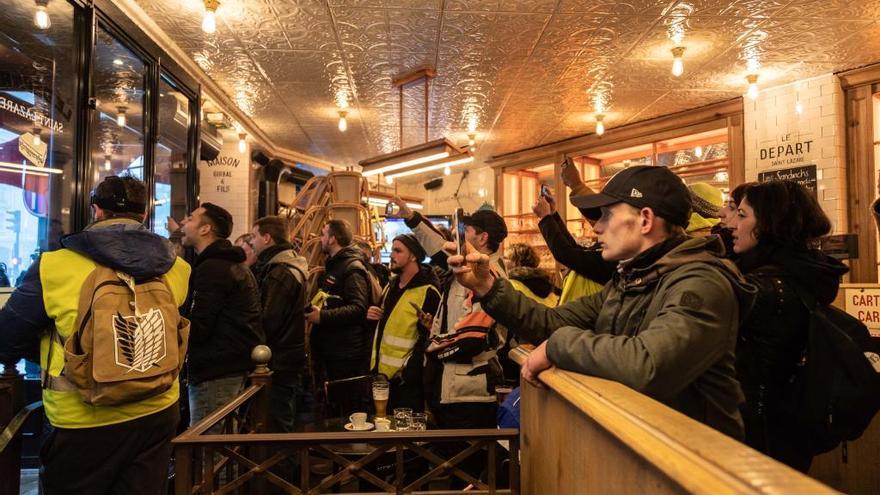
(775, 226)
(726, 214)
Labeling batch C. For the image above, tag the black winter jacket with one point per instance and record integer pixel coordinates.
(343, 332)
(565, 249)
(281, 275)
(773, 337)
(225, 314)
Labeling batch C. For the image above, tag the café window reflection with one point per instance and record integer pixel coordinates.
(37, 133)
(117, 123)
(171, 156)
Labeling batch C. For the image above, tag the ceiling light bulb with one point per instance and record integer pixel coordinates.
(600, 125)
(753, 86)
(38, 140)
(799, 108)
(41, 16)
(117, 61)
(120, 117)
(209, 22)
(473, 149)
(242, 142)
(107, 164)
(472, 139)
(698, 152)
(343, 123)
(677, 62)
(447, 171)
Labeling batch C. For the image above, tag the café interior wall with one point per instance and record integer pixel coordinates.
(778, 137)
(477, 188)
(228, 181)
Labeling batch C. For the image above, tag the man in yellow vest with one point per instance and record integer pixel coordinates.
(408, 304)
(96, 449)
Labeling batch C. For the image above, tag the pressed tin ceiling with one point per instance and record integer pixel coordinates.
(527, 72)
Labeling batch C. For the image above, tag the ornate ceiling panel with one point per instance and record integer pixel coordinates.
(524, 72)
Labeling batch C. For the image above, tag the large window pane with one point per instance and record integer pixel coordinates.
(37, 116)
(171, 156)
(117, 123)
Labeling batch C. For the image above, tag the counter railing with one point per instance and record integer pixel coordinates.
(584, 434)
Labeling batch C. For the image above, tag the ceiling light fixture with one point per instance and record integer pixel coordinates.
(41, 16)
(447, 170)
(428, 168)
(120, 116)
(407, 163)
(118, 61)
(242, 142)
(753, 91)
(600, 124)
(343, 123)
(677, 62)
(698, 152)
(472, 139)
(389, 180)
(107, 165)
(798, 106)
(209, 22)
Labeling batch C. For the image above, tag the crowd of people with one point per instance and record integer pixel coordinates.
(685, 298)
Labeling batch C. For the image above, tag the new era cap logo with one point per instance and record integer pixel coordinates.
(635, 193)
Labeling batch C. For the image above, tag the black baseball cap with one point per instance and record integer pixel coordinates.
(643, 186)
(490, 222)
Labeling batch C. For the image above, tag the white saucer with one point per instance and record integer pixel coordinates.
(367, 426)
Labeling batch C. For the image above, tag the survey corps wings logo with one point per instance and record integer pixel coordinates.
(140, 340)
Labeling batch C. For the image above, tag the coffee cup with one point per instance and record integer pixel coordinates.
(383, 424)
(358, 420)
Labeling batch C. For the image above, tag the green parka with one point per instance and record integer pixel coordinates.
(665, 325)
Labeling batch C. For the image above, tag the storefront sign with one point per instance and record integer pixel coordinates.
(805, 176)
(220, 172)
(35, 153)
(31, 114)
(787, 149)
(864, 304)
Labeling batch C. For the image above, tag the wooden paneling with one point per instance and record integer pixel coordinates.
(861, 180)
(587, 435)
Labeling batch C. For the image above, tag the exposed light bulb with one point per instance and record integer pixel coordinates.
(38, 140)
(209, 23)
(473, 148)
(472, 139)
(120, 117)
(107, 164)
(242, 142)
(677, 62)
(799, 108)
(343, 123)
(41, 16)
(447, 170)
(753, 86)
(698, 152)
(600, 125)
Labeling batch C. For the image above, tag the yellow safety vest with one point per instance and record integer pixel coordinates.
(62, 274)
(551, 300)
(401, 331)
(576, 286)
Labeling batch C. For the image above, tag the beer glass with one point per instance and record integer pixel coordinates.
(380, 398)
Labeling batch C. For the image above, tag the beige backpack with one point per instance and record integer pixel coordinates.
(130, 339)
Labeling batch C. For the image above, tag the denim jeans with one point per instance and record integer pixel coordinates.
(283, 396)
(210, 395)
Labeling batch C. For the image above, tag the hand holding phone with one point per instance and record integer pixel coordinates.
(459, 231)
(545, 191)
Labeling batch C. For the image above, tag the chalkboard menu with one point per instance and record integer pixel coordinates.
(805, 176)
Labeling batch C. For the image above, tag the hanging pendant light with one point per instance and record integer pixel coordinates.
(209, 22)
(41, 16)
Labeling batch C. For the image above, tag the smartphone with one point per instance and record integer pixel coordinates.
(417, 307)
(545, 191)
(391, 210)
(459, 230)
(569, 162)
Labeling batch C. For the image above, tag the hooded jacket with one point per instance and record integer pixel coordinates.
(536, 282)
(282, 277)
(224, 313)
(49, 297)
(343, 332)
(773, 337)
(665, 325)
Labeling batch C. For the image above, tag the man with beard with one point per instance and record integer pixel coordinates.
(282, 276)
(224, 311)
(341, 337)
(409, 303)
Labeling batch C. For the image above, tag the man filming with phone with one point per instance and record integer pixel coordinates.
(404, 320)
(463, 366)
